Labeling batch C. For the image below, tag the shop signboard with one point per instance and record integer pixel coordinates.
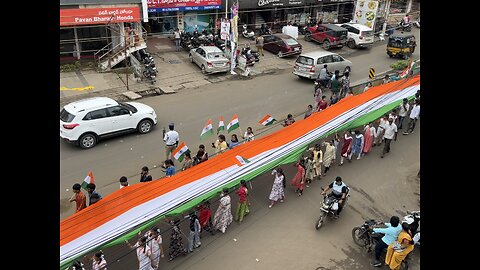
(366, 12)
(327, 17)
(83, 16)
(253, 4)
(279, 3)
(182, 5)
(225, 30)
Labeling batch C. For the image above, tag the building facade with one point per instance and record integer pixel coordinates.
(90, 27)
(167, 15)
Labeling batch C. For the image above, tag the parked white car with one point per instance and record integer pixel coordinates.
(86, 121)
(210, 59)
(358, 35)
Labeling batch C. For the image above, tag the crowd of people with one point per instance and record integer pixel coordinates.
(352, 143)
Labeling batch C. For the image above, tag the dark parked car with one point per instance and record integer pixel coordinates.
(329, 35)
(281, 45)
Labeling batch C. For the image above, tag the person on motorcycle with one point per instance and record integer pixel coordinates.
(324, 76)
(339, 191)
(398, 250)
(413, 225)
(406, 19)
(391, 232)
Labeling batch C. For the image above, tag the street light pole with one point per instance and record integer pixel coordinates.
(126, 60)
(226, 19)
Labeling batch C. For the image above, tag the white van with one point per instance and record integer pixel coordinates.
(308, 65)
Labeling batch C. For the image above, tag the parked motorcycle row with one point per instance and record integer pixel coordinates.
(150, 70)
(194, 39)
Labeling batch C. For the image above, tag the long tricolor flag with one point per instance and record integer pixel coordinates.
(221, 125)
(234, 124)
(241, 160)
(88, 180)
(407, 70)
(121, 214)
(179, 153)
(207, 131)
(267, 120)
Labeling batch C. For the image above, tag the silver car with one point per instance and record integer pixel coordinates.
(308, 65)
(210, 59)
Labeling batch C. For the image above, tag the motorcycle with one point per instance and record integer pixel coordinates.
(248, 34)
(413, 218)
(302, 28)
(323, 84)
(417, 23)
(329, 207)
(366, 238)
(220, 43)
(150, 74)
(185, 41)
(265, 31)
(250, 56)
(364, 235)
(402, 26)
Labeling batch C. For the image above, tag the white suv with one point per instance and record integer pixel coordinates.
(84, 122)
(358, 35)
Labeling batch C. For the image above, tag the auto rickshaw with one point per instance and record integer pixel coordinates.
(401, 45)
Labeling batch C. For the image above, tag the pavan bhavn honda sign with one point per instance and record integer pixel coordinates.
(180, 5)
(81, 16)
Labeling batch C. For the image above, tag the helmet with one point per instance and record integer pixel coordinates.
(408, 220)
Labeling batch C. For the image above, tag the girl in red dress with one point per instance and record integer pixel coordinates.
(298, 180)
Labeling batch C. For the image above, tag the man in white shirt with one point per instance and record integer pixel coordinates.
(402, 112)
(176, 35)
(390, 133)
(380, 130)
(171, 139)
(414, 114)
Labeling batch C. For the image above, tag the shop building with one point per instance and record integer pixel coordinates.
(392, 11)
(106, 30)
(278, 13)
(167, 15)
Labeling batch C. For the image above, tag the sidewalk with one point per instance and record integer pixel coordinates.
(175, 72)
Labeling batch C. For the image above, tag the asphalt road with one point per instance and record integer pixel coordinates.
(284, 236)
(277, 94)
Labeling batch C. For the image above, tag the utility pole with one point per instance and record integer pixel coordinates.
(226, 19)
(125, 51)
(387, 13)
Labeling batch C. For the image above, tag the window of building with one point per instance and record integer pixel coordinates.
(92, 38)
(67, 42)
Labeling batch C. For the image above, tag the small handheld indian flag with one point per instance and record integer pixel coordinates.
(242, 161)
(407, 70)
(207, 130)
(88, 180)
(221, 125)
(234, 124)
(267, 120)
(179, 153)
